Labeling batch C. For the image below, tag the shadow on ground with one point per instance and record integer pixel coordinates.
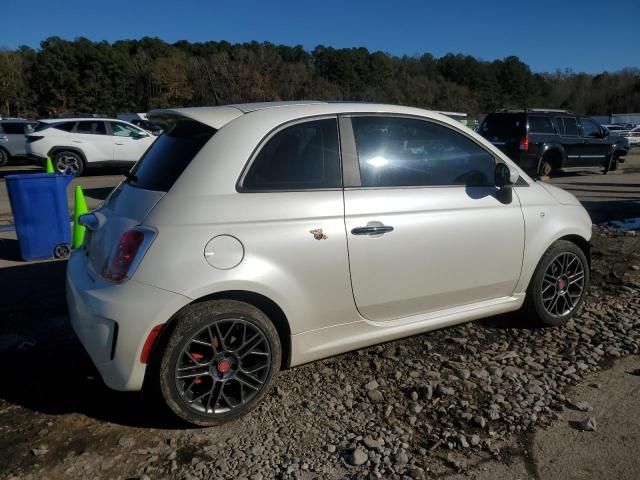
(44, 367)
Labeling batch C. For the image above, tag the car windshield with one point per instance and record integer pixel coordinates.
(169, 155)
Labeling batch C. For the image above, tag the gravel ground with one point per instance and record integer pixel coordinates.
(431, 405)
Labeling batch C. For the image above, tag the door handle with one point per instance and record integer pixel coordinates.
(119, 143)
(76, 141)
(4, 138)
(372, 230)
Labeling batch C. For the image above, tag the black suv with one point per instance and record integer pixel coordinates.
(542, 141)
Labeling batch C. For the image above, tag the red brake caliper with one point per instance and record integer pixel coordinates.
(197, 357)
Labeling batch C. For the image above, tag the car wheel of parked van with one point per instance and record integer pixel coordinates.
(219, 361)
(4, 157)
(545, 168)
(558, 287)
(69, 163)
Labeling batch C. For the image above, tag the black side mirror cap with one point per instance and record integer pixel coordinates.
(502, 175)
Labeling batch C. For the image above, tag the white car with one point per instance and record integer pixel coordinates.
(633, 136)
(77, 144)
(256, 237)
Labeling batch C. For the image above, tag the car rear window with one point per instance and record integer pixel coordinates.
(13, 128)
(169, 155)
(503, 125)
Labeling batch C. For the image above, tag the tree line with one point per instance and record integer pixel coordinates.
(137, 75)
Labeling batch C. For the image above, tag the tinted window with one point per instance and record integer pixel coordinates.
(170, 154)
(302, 156)
(589, 128)
(93, 128)
(406, 152)
(570, 128)
(14, 128)
(503, 125)
(540, 125)
(66, 126)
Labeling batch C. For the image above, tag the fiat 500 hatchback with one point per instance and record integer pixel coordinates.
(256, 237)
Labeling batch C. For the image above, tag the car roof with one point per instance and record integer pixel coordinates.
(217, 117)
(79, 119)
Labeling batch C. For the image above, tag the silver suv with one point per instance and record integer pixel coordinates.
(13, 133)
(251, 238)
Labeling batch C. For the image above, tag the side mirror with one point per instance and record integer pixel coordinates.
(502, 175)
(503, 178)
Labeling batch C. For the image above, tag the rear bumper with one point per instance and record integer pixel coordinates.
(113, 321)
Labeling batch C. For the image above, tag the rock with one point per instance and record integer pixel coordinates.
(375, 396)
(402, 458)
(331, 448)
(635, 372)
(586, 425)
(39, 451)
(580, 405)
(442, 390)
(372, 385)
(480, 421)
(475, 440)
(372, 444)
(358, 456)
(126, 442)
(462, 441)
(462, 373)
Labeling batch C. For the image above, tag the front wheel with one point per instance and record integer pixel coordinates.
(559, 284)
(613, 164)
(219, 362)
(4, 157)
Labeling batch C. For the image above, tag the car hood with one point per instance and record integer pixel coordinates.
(562, 196)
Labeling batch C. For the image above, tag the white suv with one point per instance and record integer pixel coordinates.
(256, 237)
(76, 144)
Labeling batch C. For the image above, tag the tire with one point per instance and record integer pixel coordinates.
(613, 165)
(4, 157)
(233, 380)
(545, 168)
(69, 162)
(556, 291)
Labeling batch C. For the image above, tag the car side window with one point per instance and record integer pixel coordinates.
(13, 128)
(589, 128)
(540, 125)
(123, 130)
(65, 126)
(568, 126)
(91, 128)
(302, 156)
(401, 152)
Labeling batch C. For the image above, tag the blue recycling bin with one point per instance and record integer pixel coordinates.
(40, 213)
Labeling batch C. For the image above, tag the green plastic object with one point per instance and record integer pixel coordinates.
(49, 166)
(79, 208)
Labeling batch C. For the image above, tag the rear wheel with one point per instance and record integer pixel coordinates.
(559, 284)
(69, 163)
(545, 168)
(219, 362)
(4, 157)
(613, 164)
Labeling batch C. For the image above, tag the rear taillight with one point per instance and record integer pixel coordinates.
(33, 138)
(127, 254)
(524, 143)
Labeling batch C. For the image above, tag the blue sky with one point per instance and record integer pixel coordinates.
(587, 35)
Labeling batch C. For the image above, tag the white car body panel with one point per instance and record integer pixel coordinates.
(455, 254)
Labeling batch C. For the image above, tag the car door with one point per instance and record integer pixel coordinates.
(425, 229)
(594, 147)
(571, 141)
(90, 136)
(13, 137)
(129, 142)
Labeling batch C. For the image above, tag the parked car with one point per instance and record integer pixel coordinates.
(542, 141)
(633, 136)
(76, 144)
(251, 238)
(13, 138)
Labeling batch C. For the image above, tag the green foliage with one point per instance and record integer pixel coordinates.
(137, 75)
